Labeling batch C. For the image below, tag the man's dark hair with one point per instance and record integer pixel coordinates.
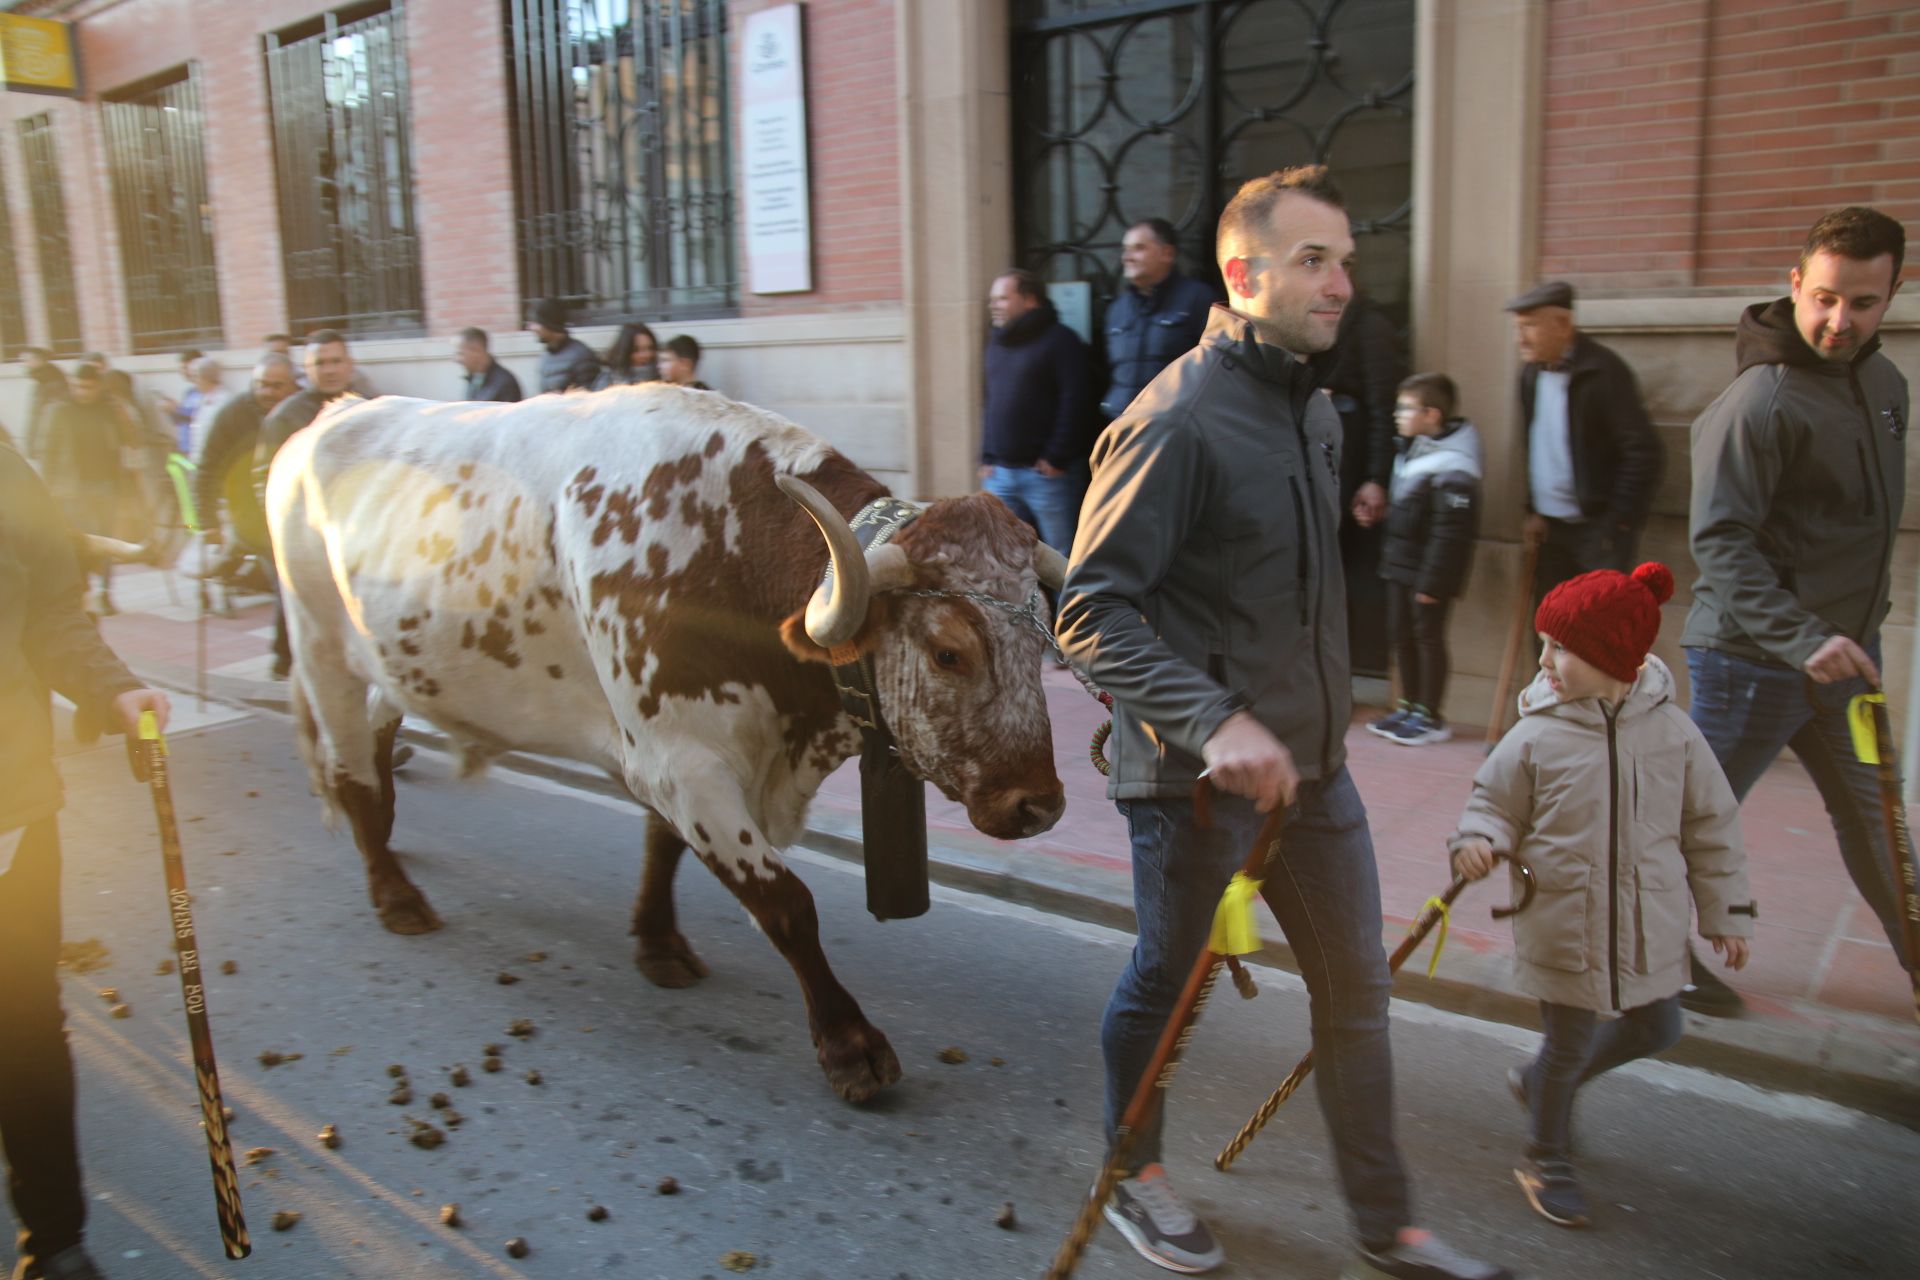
(1026, 282)
(95, 357)
(287, 338)
(1859, 233)
(475, 335)
(321, 337)
(686, 347)
(1162, 231)
(1433, 391)
(1247, 213)
(191, 353)
(88, 371)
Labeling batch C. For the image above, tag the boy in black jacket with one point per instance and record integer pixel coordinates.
(1433, 516)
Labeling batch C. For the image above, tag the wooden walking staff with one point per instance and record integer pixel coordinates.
(1435, 912)
(1517, 633)
(1873, 743)
(150, 765)
(1233, 934)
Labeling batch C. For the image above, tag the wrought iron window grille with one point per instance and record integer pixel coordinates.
(156, 162)
(13, 310)
(1126, 110)
(623, 156)
(39, 148)
(337, 89)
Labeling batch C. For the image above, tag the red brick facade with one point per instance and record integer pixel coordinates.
(1690, 143)
(461, 146)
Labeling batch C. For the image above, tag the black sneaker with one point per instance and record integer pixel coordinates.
(1706, 994)
(1421, 1255)
(1551, 1190)
(68, 1264)
(1419, 728)
(1146, 1210)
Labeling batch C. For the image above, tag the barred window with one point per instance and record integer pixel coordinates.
(13, 311)
(337, 89)
(37, 148)
(623, 156)
(160, 204)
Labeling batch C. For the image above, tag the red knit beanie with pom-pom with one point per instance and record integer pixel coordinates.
(1608, 618)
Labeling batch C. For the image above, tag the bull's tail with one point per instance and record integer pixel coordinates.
(307, 737)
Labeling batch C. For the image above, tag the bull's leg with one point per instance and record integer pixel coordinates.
(386, 729)
(359, 780)
(663, 955)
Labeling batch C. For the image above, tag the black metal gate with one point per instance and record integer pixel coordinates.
(344, 160)
(165, 220)
(13, 311)
(38, 148)
(622, 155)
(1132, 109)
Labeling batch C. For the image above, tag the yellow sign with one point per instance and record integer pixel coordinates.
(37, 55)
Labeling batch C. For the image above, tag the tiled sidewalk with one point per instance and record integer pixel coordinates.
(1820, 962)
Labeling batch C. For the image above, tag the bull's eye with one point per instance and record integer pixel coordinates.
(947, 658)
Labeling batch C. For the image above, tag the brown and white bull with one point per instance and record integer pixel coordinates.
(619, 579)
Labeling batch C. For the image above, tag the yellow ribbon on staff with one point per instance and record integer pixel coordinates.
(1437, 903)
(150, 730)
(1234, 931)
(1866, 740)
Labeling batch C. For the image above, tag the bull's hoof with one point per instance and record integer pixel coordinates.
(669, 961)
(404, 909)
(859, 1063)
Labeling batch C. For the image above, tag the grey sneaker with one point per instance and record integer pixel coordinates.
(1552, 1191)
(1421, 1255)
(1154, 1220)
(1419, 728)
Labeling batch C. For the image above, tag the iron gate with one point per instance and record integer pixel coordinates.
(13, 311)
(622, 156)
(343, 157)
(37, 148)
(160, 206)
(1131, 109)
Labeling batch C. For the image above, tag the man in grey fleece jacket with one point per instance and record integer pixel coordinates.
(1205, 594)
(1798, 481)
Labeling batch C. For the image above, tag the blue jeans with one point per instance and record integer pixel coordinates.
(1050, 504)
(1325, 891)
(1579, 1047)
(1749, 710)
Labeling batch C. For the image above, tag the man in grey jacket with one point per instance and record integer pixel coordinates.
(1205, 594)
(1798, 482)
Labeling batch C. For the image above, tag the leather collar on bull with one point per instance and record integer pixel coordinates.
(893, 803)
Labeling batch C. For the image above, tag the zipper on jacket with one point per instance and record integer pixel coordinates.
(1613, 855)
(1866, 475)
(1300, 569)
(1886, 554)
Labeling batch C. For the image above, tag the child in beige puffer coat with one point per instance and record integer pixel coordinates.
(1607, 790)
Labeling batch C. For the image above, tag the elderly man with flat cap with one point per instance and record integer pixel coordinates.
(1593, 458)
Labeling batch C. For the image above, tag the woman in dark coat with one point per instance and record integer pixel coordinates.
(632, 357)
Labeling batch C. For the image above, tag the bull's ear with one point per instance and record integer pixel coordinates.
(793, 633)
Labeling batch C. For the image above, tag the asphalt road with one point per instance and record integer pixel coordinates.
(716, 1086)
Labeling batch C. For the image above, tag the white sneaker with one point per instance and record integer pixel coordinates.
(1147, 1211)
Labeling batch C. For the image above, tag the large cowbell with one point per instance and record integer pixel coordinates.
(893, 803)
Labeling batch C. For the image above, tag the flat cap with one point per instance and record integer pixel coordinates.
(1554, 293)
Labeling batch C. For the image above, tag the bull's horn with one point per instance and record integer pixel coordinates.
(106, 548)
(1050, 565)
(839, 605)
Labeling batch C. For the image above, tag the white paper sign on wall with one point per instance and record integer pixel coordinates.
(773, 135)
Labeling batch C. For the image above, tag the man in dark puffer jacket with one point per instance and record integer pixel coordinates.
(1433, 517)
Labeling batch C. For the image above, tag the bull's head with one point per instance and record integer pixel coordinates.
(958, 678)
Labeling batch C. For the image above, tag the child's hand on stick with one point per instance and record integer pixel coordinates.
(1473, 859)
(1734, 949)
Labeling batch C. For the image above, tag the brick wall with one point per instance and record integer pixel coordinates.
(853, 126)
(1690, 143)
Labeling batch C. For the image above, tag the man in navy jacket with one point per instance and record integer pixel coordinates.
(1034, 430)
(1158, 316)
